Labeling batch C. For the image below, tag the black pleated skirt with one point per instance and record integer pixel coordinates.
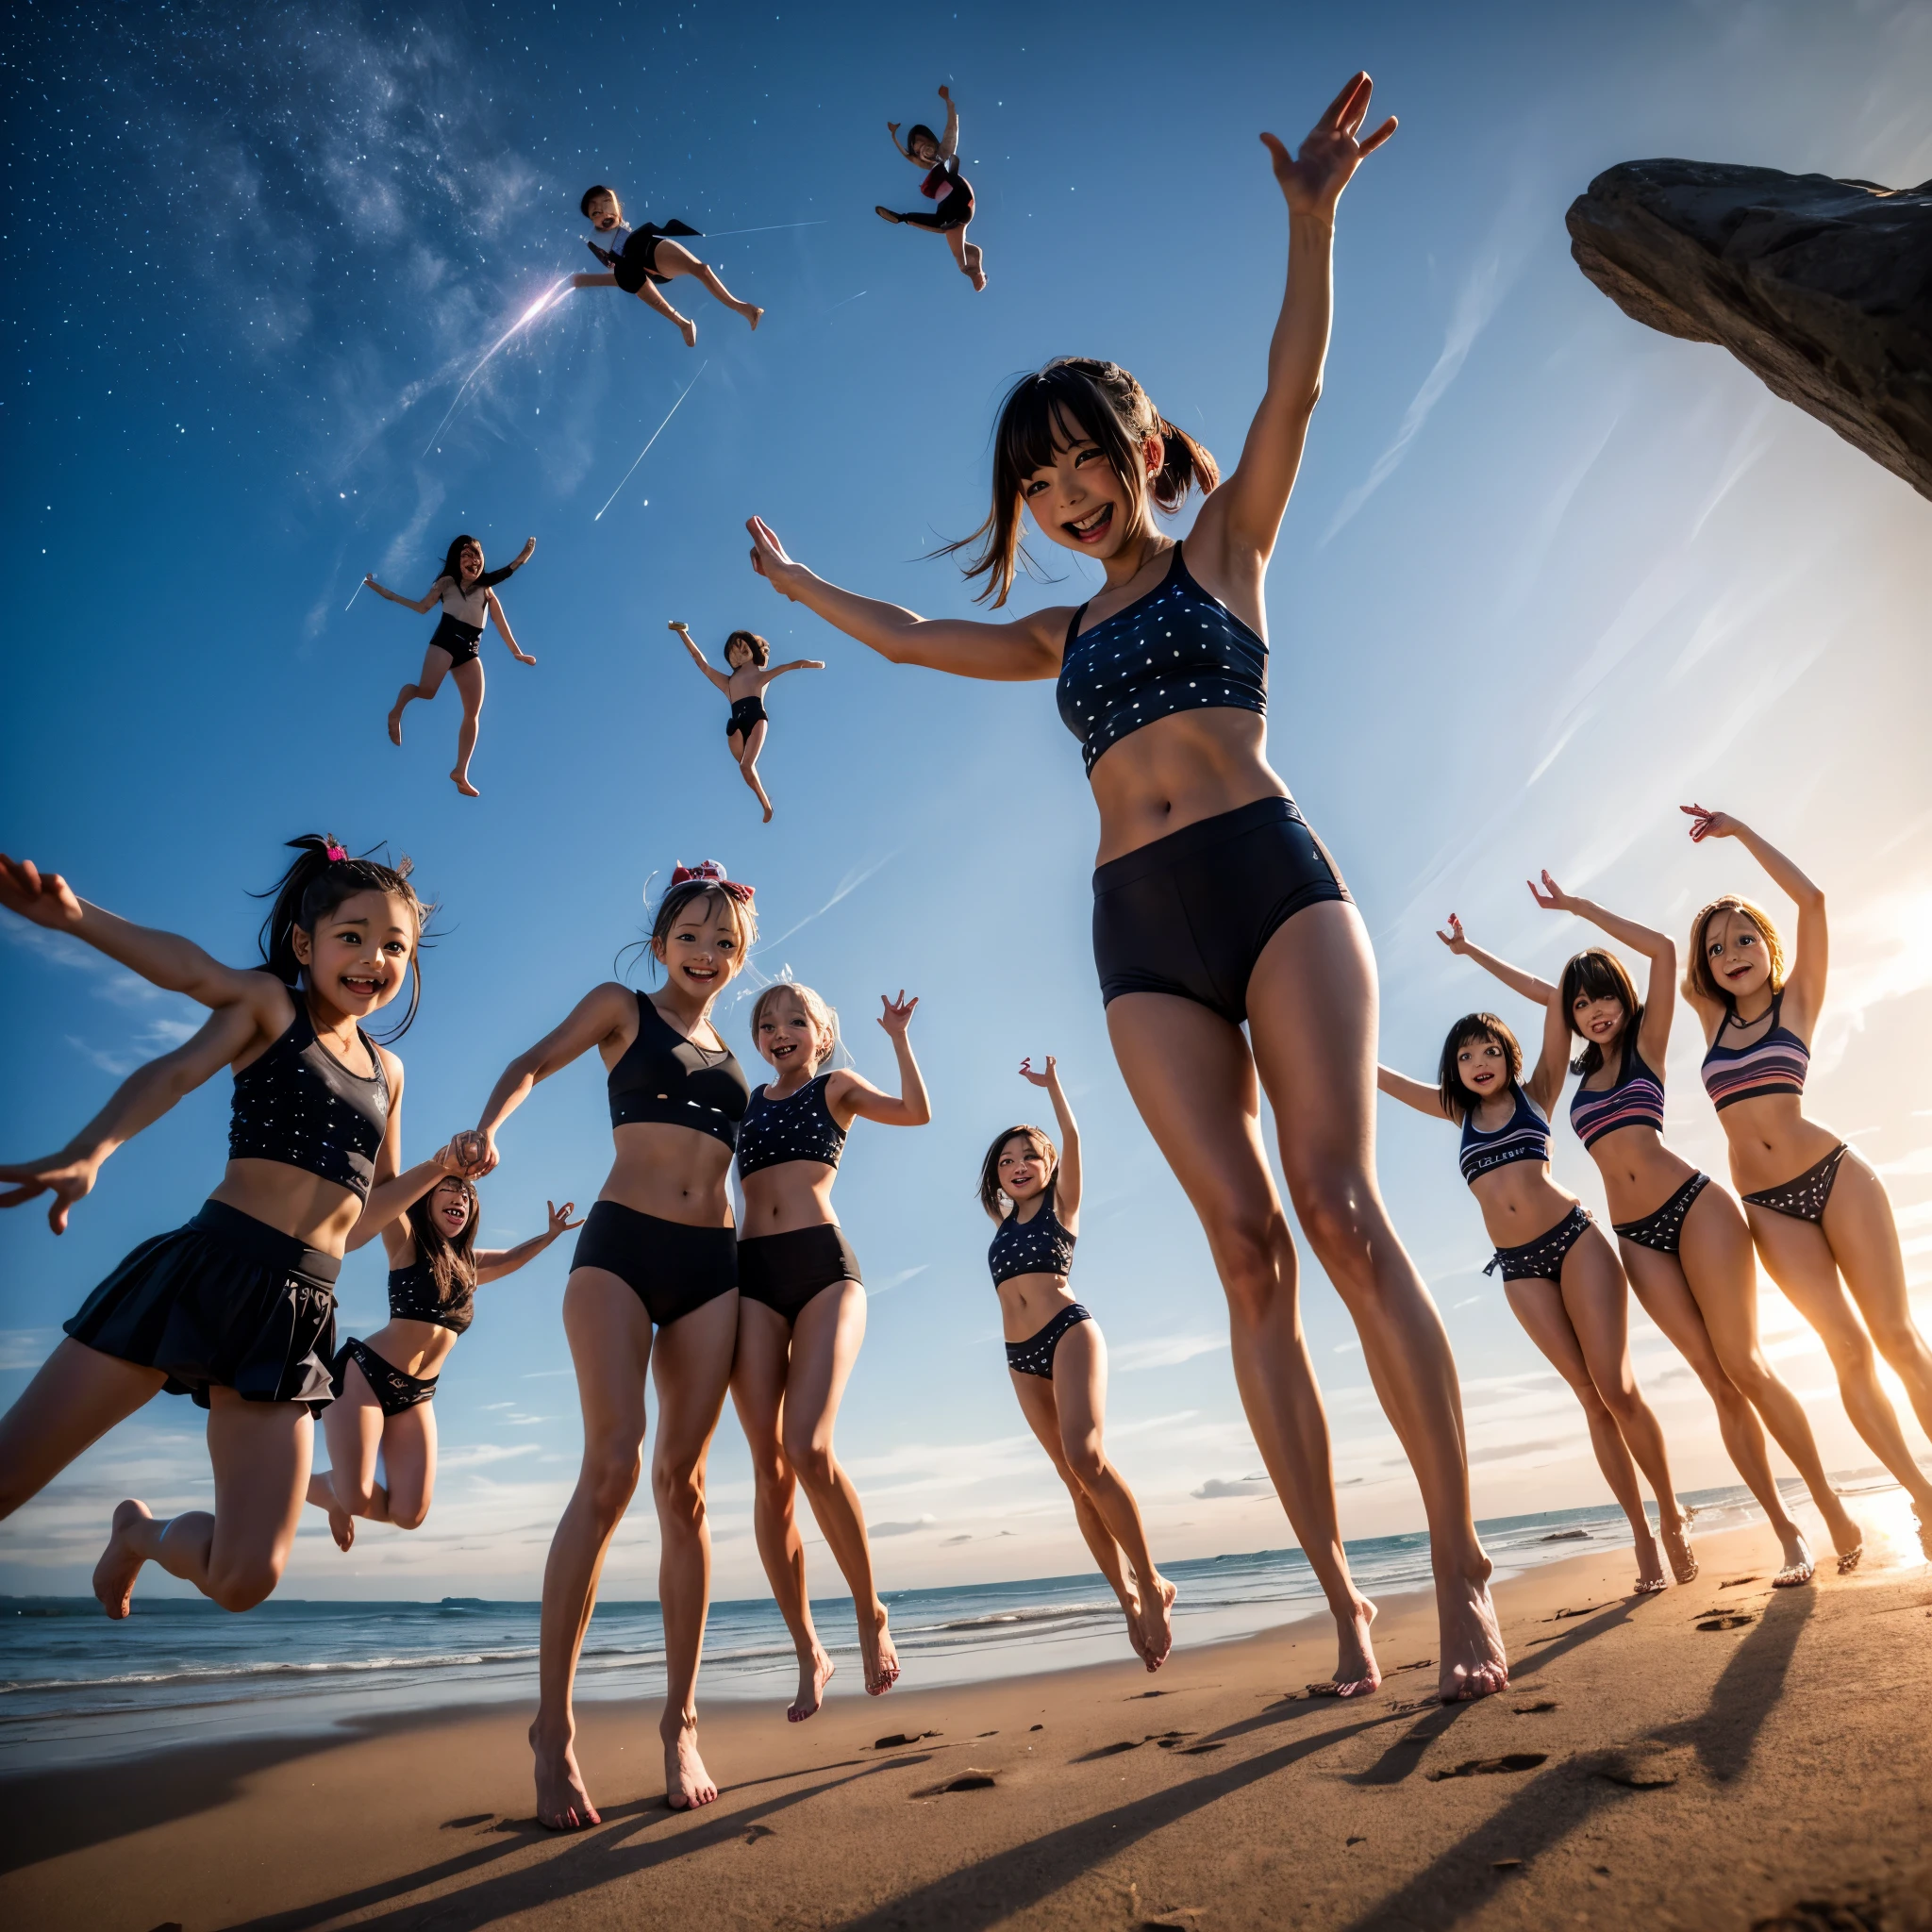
(227, 1302)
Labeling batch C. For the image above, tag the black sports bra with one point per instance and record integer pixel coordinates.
(299, 1105)
(1176, 649)
(412, 1298)
(799, 1127)
(666, 1078)
(1040, 1246)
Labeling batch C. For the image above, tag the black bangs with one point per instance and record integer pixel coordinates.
(1592, 975)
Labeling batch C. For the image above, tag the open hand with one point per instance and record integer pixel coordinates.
(898, 1012)
(1551, 896)
(769, 560)
(1706, 824)
(560, 1222)
(1313, 180)
(45, 898)
(1455, 939)
(1045, 1079)
(682, 628)
(524, 658)
(945, 96)
(69, 1181)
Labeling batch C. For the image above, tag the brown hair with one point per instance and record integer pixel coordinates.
(825, 1021)
(1698, 978)
(452, 1263)
(761, 651)
(716, 890)
(1077, 399)
(990, 1192)
(1457, 1101)
(1595, 974)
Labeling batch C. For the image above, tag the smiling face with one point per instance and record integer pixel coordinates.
(923, 149)
(1598, 1018)
(1483, 1067)
(449, 1206)
(1023, 1169)
(704, 947)
(787, 1035)
(470, 563)
(604, 212)
(1736, 955)
(357, 957)
(1079, 502)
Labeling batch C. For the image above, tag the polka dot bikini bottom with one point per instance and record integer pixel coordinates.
(1804, 1199)
(1664, 1229)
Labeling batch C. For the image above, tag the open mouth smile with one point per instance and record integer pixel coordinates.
(1091, 528)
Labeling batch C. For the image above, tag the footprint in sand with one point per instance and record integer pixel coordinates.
(899, 1740)
(1110, 1750)
(1641, 1769)
(966, 1781)
(1484, 1767)
(1533, 1709)
(1729, 1620)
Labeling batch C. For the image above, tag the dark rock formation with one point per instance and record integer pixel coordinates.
(1822, 288)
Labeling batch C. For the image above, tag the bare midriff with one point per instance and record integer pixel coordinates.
(1177, 771)
(788, 1196)
(1029, 1301)
(1772, 1141)
(675, 1173)
(1640, 1172)
(1520, 1202)
(318, 1214)
(417, 1348)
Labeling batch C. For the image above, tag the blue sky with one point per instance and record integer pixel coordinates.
(1546, 573)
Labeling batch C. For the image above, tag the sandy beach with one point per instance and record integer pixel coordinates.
(1714, 1756)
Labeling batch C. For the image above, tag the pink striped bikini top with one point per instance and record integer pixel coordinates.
(1636, 1099)
(1776, 1063)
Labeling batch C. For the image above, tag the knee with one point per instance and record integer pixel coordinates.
(769, 1471)
(813, 1464)
(608, 1483)
(1624, 1400)
(412, 1517)
(1337, 1209)
(1248, 1250)
(1086, 1461)
(1851, 1355)
(1897, 1339)
(240, 1586)
(679, 1495)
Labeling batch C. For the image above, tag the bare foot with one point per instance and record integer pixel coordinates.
(1677, 1548)
(1650, 1569)
(1356, 1673)
(1798, 1566)
(119, 1566)
(562, 1803)
(1847, 1538)
(768, 815)
(395, 725)
(1922, 1524)
(751, 312)
(342, 1526)
(1474, 1663)
(1156, 1626)
(464, 785)
(886, 214)
(881, 1660)
(689, 330)
(814, 1674)
(687, 1783)
(1130, 1609)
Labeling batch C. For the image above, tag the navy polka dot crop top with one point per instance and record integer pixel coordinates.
(1040, 1246)
(799, 1127)
(299, 1105)
(1176, 649)
(667, 1078)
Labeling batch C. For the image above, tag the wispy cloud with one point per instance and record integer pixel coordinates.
(1218, 1488)
(1162, 1352)
(901, 1529)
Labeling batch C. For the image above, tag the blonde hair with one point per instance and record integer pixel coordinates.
(824, 1020)
(1699, 982)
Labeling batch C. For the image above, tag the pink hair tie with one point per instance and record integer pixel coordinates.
(710, 873)
(335, 855)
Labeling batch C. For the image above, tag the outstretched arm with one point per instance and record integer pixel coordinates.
(1240, 520)
(1416, 1093)
(1811, 951)
(851, 1097)
(1658, 983)
(1028, 647)
(492, 1264)
(1066, 1187)
(608, 1011)
(419, 605)
(1546, 1079)
(796, 664)
(698, 658)
(1514, 977)
(949, 140)
(517, 651)
(504, 572)
(893, 128)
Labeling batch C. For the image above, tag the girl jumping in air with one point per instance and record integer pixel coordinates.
(653, 1293)
(237, 1309)
(1560, 1277)
(1215, 907)
(749, 659)
(1057, 1358)
(801, 1309)
(949, 191)
(1684, 1241)
(1819, 1214)
(467, 595)
(641, 260)
(385, 1384)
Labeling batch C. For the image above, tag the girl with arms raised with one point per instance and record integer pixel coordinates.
(1214, 903)
(801, 1309)
(1559, 1274)
(386, 1382)
(1057, 1359)
(1684, 1241)
(1819, 1214)
(237, 1308)
(653, 1293)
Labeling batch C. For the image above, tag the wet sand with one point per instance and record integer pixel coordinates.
(1715, 1756)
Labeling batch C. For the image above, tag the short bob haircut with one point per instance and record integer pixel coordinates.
(591, 193)
(1698, 978)
(815, 1008)
(918, 131)
(990, 1192)
(1076, 399)
(1459, 1102)
(1596, 975)
(761, 651)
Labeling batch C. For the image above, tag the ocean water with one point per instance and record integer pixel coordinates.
(76, 1687)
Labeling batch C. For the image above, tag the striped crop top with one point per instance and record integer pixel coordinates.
(1775, 1063)
(1525, 1136)
(1634, 1099)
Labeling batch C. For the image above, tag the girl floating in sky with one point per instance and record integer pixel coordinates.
(1057, 1359)
(1215, 906)
(801, 1309)
(1819, 1214)
(751, 670)
(237, 1308)
(949, 191)
(641, 260)
(467, 595)
(385, 1384)
(1560, 1275)
(652, 1295)
(1684, 1241)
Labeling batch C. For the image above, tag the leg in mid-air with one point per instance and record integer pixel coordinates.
(468, 679)
(745, 747)
(672, 260)
(436, 664)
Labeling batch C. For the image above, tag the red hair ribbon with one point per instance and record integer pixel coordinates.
(709, 872)
(334, 854)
